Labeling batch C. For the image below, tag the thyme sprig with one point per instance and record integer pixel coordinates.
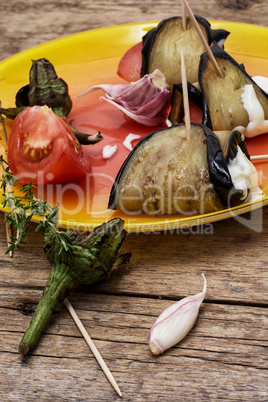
(23, 207)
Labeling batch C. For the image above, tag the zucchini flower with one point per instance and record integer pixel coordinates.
(75, 260)
(146, 101)
(175, 322)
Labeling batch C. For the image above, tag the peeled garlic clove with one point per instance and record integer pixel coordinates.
(175, 322)
(146, 101)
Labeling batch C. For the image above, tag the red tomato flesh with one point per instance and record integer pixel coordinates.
(129, 67)
(43, 149)
(196, 114)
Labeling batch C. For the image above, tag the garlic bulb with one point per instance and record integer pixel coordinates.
(175, 322)
(146, 101)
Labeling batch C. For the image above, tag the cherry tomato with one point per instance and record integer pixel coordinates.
(43, 149)
(129, 67)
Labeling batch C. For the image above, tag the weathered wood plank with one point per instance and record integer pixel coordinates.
(35, 22)
(125, 313)
(224, 356)
(243, 329)
(81, 379)
(169, 265)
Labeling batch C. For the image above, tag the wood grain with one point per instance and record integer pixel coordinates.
(170, 265)
(224, 356)
(207, 364)
(25, 24)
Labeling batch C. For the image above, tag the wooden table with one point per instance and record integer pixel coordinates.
(224, 356)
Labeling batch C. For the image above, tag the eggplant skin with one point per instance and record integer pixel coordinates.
(229, 141)
(176, 114)
(166, 174)
(222, 147)
(223, 108)
(162, 48)
(22, 96)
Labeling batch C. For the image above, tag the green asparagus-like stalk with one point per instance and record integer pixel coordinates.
(82, 260)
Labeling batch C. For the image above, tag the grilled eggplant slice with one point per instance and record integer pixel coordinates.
(162, 45)
(166, 174)
(222, 97)
(229, 141)
(222, 148)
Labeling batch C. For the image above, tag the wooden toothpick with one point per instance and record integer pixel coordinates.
(258, 157)
(203, 39)
(187, 118)
(91, 345)
(183, 11)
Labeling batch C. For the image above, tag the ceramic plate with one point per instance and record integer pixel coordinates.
(91, 58)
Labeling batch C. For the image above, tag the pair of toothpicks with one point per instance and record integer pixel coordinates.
(186, 7)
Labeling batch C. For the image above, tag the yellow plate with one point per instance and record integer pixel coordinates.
(91, 58)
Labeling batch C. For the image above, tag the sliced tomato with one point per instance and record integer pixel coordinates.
(129, 67)
(196, 114)
(43, 149)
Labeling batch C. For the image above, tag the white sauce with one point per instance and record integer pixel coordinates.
(129, 138)
(168, 123)
(221, 42)
(262, 82)
(108, 151)
(257, 124)
(244, 176)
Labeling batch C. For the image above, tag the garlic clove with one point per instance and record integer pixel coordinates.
(175, 322)
(146, 101)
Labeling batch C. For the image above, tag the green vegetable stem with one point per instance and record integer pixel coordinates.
(75, 259)
(78, 260)
(46, 88)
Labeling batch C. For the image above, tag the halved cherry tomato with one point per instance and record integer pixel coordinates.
(43, 149)
(129, 67)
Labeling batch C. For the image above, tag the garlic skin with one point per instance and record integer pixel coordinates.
(175, 322)
(146, 101)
